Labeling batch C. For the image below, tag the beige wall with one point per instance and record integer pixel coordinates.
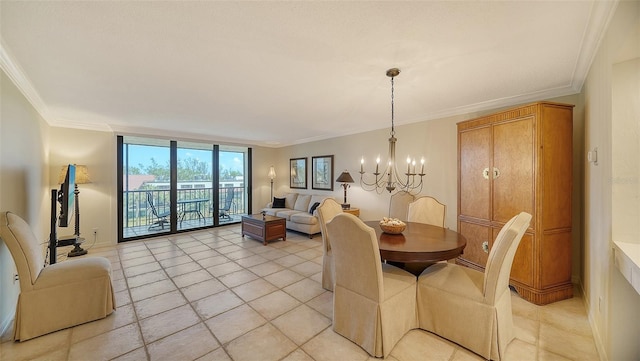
(262, 159)
(96, 150)
(612, 304)
(437, 141)
(24, 179)
(434, 140)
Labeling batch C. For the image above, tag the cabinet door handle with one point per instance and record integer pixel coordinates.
(485, 173)
(496, 173)
(485, 246)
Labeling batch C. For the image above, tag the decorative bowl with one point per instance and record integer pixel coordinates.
(392, 229)
(392, 225)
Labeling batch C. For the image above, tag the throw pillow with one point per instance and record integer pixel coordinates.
(313, 207)
(278, 202)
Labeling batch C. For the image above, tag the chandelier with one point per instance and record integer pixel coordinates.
(390, 178)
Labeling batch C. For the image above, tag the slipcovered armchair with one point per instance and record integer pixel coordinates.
(374, 304)
(328, 209)
(427, 210)
(471, 308)
(57, 296)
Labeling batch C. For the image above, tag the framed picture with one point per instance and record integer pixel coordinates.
(298, 177)
(322, 172)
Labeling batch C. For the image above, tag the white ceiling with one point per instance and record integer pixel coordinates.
(280, 73)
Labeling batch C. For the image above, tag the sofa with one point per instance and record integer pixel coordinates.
(298, 212)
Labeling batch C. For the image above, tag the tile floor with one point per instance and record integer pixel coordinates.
(213, 295)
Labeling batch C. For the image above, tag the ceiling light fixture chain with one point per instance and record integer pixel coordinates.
(393, 130)
(390, 179)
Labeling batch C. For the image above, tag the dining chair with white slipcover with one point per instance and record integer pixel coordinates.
(328, 209)
(374, 304)
(399, 204)
(427, 210)
(469, 307)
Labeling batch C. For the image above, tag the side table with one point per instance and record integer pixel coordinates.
(354, 211)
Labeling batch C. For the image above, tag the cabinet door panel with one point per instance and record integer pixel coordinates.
(522, 268)
(475, 235)
(475, 156)
(557, 167)
(555, 262)
(513, 158)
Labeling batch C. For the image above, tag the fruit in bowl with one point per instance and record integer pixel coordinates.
(392, 225)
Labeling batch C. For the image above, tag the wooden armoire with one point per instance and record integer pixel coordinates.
(520, 160)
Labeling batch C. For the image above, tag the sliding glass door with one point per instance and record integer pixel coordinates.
(195, 185)
(172, 186)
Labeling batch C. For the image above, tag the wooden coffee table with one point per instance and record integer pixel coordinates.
(264, 228)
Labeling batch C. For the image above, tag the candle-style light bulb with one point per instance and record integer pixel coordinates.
(377, 163)
(361, 164)
(422, 162)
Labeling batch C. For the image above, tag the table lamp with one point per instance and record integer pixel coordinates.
(345, 178)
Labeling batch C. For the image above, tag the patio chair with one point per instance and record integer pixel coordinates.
(161, 218)
(228, 202)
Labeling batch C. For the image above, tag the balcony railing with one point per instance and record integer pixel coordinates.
(138, 212)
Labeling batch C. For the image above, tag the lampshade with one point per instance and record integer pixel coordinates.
(272, 173)
(345, 177)
(82, 174)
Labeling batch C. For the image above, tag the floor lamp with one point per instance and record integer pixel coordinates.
(82, 177)
(272, 176)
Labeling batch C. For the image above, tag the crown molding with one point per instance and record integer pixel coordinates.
(120, 129)
(505, 102)
(62, 123)
(601, 14)
(18, 77)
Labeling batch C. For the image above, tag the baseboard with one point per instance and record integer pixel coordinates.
(5, 328)
(602, 354)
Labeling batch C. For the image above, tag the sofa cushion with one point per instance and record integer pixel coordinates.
(302, 203)
(290, 200)
(278, 202)
(303, 218)
(285, 213)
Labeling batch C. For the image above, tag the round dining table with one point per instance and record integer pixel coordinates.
(419, 242)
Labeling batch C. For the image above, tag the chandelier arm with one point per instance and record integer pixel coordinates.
(371, 186)
(379, 179)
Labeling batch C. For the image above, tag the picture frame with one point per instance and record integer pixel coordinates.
(298, 175)
(322, 172)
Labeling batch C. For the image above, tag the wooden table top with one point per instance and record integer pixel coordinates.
(419, 243)
(259, 217)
